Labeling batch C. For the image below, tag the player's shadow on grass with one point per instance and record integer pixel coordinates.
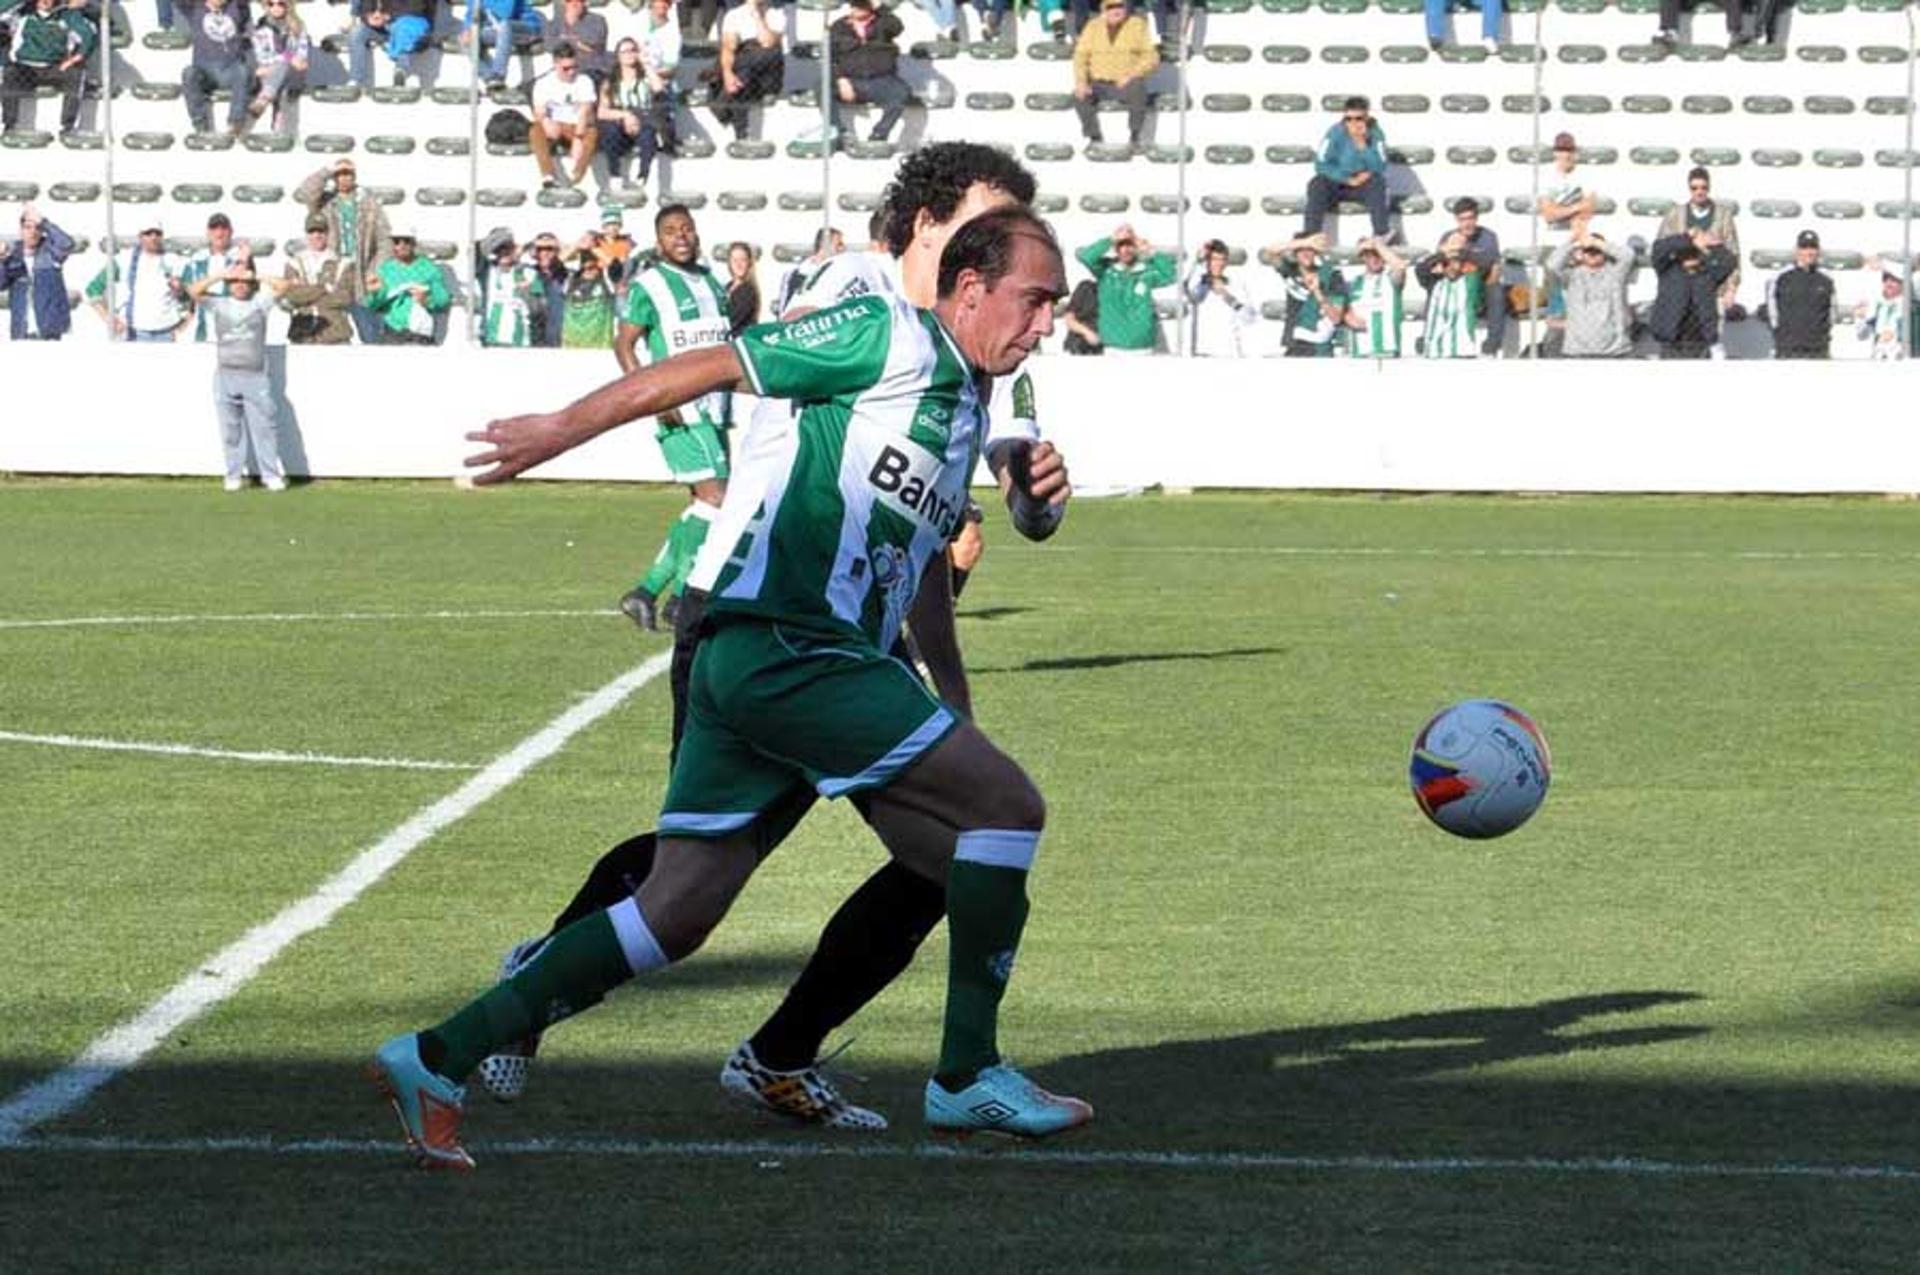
(1074, 663)
(992, 613)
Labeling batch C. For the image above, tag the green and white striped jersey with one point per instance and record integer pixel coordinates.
(508, 318)
(681, 310)
(1452, 307)
(847, 508)
(1373, 297)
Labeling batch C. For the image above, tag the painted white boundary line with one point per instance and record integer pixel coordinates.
(1550, 554)
(769, 1150)
(228, 754)
(291, 617)
(225, 972)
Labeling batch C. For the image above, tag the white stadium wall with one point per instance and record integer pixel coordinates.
(1124, 423)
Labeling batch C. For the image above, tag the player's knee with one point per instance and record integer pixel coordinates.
(1016, 803)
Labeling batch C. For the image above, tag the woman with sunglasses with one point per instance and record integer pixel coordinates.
(626, 131)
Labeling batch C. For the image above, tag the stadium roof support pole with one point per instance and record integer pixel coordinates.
(106, 158)
(470, 256)
(1536, 274)
(1180, 342)
(1906, 202)
(828, 142)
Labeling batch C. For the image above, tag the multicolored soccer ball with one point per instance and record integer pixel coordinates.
(1480, 768)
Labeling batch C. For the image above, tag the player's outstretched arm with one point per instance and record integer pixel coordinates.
(930, 620)
(1033, 480)
(521, 442)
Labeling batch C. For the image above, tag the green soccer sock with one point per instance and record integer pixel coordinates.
(666, 563)
(573, 972)
(694, 524)
(986, 910)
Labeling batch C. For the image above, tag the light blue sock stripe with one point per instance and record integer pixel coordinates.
(997, 848)
(637, 943)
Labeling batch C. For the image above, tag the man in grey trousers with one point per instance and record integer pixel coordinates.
(242, 397)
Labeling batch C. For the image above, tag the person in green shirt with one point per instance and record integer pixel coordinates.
(408, 292)
(588, 321)
(1127, 270)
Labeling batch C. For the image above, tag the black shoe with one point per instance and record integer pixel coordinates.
(1435, 43)
(638, 605)
(399, 79)
(1490, 346)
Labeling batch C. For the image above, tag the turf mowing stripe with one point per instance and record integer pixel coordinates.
(292, 617)
(228, 754)
(224, 973)
(1618, 1166)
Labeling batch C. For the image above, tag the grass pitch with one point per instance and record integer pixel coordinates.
(1669, 1023)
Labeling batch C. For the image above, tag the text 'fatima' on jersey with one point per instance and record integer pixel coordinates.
(910, 485)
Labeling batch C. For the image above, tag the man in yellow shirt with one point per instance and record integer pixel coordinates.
(1112, 61)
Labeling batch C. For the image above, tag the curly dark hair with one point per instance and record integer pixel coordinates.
(937, 177)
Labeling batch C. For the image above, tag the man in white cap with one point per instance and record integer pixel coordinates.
(149, 303)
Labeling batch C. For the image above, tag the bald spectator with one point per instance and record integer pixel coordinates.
(1112, 61)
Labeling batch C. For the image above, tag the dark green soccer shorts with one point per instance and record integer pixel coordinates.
(694, 453)
(772, 708)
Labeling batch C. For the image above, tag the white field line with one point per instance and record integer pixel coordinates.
(290, 617)
(228, 754)
(771, 1153)
(1548, 553)
(225, 972)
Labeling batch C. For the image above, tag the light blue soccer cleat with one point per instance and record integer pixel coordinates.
(428, 1104)
(1003, 1101)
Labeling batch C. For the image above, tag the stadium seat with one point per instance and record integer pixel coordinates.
(1164, 205)
(1650, 206)
(136, 193)
(695, 200)
(801, 201)
(1463, 53)
(1345, 54)
(387, 196)
(259, 194)
(18, 192)
(1715, 156)
(151, 141)
(1160, 154)
(1286, 103)
(1776, 209)
(858, 201)
(1471, 156)
(1289, 154)
(440, 196)
(1283, 205)
(990, 101)
(1882, 54)
(449, 147)
(1836, 158)
(1049, 101)
(1822, 104)
(1581, 54)
(1286, 54)
(389, 144)
(155, 91)
(1897, 159)
(1410, 156)
(1226, 205)
(742, 200)
(1820, 53)
(1406, 104)
(1646, 104)
(1051, 205)
(499, 197)
(1654, 156)
(196, 193)
(751, 150)
(268, 143)
(1229, 154)
(1886, 106)
(1226, 103)
(1465, 104)
(1049, 152)
(1586, 104)
(329, 143)
(1227, 54)
(1839, 209)
(1775, 157)
(1525, 104)
(336, 94)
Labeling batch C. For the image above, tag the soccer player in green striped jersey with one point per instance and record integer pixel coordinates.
(792, 689)
(676, 305)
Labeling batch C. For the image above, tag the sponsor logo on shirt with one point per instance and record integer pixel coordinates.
(910, 485)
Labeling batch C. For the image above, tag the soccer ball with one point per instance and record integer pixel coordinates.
(1480, 768)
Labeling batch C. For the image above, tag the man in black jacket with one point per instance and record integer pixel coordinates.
(866, 57)
(1686, 316)
(1799, 305)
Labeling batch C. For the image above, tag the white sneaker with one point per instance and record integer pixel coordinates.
(806, 1096)
(232, 484)
(1492, 47)
(274, 484)
(504, 1075)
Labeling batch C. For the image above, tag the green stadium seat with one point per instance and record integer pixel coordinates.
(1776, 157)
(79, 141)
(1104, 205)
(1049, 101)
(19, 192)
(1283, 205)
(259, 194)
(982, 51)
(1226, 103)
(801, 201)
(1776, 209)
(196, 193)
(1837, 158)
(1886, 106)
(1343, 8)
(510, 97)
(1412, 205)
(208, 142)
(1049, 152)
(1583, 7)
(990, 101)
(1839, 209)
(1882, 54)
(1897, 159)
(388, 95)
(1525, 155)
(1700, 53)
(329, 143)
(1226, 154)
(1410, 156)
(439, 249)
(1771, 258)
(693, 199)
(1289, 154)
(508, 150)
(1650, 206)
(1226, 205)
(74, 192)
(1761, 53)
(1586, 104)
(1520, 54)
(1880, 6)
(857, 149)
(390, 144)
(751, 150)
(1654, 156)
(1161, 153)
(1454, 203)
(386, 196)
(453, 96)
(1465, 104)
(155, 91)
(1471, 156)
(1403, 54)
(1463, 53)
(1164, 205)
(1706, 104)
(1286, 103)
(1599, 156)
(805, 150)
(1820, 53)
(440, 196)
(1286, 6)
(1581, 54)
(742, 200)
(1525, 104)
(1715, 156)
(1229, 6)
(947, 50)
(1227, 54)
(449, 147)
(1109, 153)
(859, 201)
(1345, 54)
(1896, 210)
(1767, 104)
(150, 141)
(1051, 205)
(1641, 54)
(499, 197)
(136, 193)
(268, 143)
(1406, 104)
(1825, 104)
(166, 41)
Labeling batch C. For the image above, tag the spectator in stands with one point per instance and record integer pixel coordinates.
(316, 294)
(150, 301)
(1373, 311)
(221, 49)
(1702, 212)
(400, 27)
(1490, 15)
(866, 59)
(585, 32)
(1766, 22)
(1669, 33)
(1220, 312)
(564, 102)
(1455, 288)
(624, 120)
(1112, 60)
(1686, 313)
(614, 247)
(827, 242)
(1351, 166)
(697, 16)
(212, 263)
(408, 292)
(945, 15)
(50, 46)
(586, 315)
(356, 233)
(1316, 296)
(1081, 319)
(753, 63)
(743, 290)
(993, 16)
(508, 292)
(1593, 286)
(1482, 249)
(660, 55)
(242, 395)
(550, 278)
(1127, 270)
(1799, 305)
(1567, 204)
(280, 48)
(501, 22)
(1878, 322)
(33, 275)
